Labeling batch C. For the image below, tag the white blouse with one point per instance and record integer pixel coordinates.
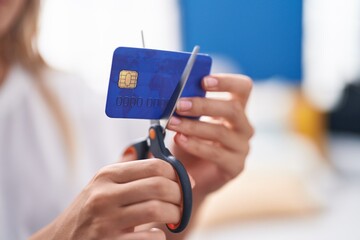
(35, 180)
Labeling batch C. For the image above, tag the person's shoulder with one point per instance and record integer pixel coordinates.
(65, 81)
(73, 92)
(85, 109)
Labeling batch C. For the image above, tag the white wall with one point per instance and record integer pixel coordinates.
(81, 35)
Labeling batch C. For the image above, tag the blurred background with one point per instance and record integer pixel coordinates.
(302, 179)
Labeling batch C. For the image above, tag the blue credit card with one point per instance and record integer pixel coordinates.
(142, 81)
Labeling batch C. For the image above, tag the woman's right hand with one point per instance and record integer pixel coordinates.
(120, 197)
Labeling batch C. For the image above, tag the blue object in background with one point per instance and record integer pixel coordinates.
(263, 37)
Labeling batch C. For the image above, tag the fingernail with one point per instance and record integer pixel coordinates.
(184, 105)
(183, 138)
(174, 121)
(210, 82)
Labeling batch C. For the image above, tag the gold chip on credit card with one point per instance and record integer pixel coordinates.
(127, 79)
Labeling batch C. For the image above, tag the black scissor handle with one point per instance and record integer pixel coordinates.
(158, 149)
(139, 149)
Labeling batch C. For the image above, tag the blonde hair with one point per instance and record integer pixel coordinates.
(19, 45)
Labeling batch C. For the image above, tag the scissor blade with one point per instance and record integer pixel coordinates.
(171, 106)
(152, 121)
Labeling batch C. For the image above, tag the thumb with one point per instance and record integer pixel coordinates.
(151, 234)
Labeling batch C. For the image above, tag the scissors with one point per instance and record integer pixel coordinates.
(154, 144)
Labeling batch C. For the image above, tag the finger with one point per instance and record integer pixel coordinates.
(230, 162)
(148, 212)
(134, 170)
(157, 188)
(196, 107)
(239, 85)
(230, 110)
(151, 234)
(205, 130)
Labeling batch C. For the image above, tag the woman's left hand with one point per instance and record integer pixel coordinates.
(214, 151)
